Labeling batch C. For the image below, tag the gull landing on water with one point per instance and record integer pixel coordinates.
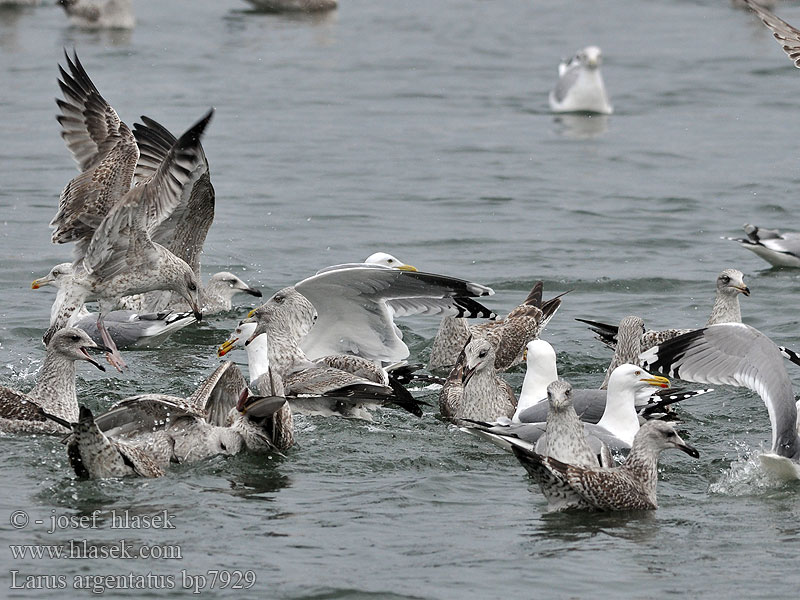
(580, 86)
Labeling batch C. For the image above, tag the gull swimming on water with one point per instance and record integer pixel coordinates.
(509, 335)
(100, 14)
(730, 283)
(580, 86)
(739, 355)
(615, 429)
(778, 249)
(631, 486)
(589, 404)
(128, 328)
(473, 389)
(54, 391)
(307, 6)
(110, 222)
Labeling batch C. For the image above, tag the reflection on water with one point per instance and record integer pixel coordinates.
(581, 126)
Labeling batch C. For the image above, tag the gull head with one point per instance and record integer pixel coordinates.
(73, 343)
(635, 378)
(226, 441)
(559, 396)
(387, 260)
(242, 332)
(188, 286)
(227, 285)
(660, 435)
(731, 282)
(57, 276)
(478, 355)
(590, 57)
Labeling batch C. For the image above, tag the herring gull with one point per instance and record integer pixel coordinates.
(110, 222)
(473, 389)
(509, 335)
(739, 355)
(54, 391)
(615, 429)
(780, 249)
(128, 328)
(631, 486)
(580, 86)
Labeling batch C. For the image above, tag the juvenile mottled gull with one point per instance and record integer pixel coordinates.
(730, 283)
(110, 222)
(100, 14)
(778, 249)
(54, 391)
(580, 86)
(631, 486)
(128, 329)
(739, 355)
(476, 391)
(509, 335)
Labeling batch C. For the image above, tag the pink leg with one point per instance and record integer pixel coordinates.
(114, 358)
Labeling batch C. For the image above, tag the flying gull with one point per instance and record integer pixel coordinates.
(631, 486)
(54, 391)
(739, 355)
(788, 37)
(580, 86)
(110, 222)
(778, 249)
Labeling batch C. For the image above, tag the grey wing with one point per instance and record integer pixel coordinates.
(589, 405)
(144, 414)
(785, 245)
(787, 36)
(322, 380)
(739, 355)
(353, 317)
(598, 436)
(654, 338)
(565, 83)
(219, 393)
(184, 232)
(357, 366)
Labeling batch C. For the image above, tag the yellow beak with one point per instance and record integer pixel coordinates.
(407, 268)
(656, 381)
(37, 283)
(227, 346)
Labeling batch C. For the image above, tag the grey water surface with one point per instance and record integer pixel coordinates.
(421, 128)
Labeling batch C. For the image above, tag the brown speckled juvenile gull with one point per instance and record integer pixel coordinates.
(631, 486)
(207, 423)
(54, 391)
(481, 395)
(508, 336)
(110, 222)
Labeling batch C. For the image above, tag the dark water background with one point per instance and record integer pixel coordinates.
(422, 128)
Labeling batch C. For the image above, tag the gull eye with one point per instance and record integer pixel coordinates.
(223, 447)
(192, 287)
(56, 273)
(725, 279)
(637, 373)
(75, 337)
(482, 354)
(391, 260)
(671, 434)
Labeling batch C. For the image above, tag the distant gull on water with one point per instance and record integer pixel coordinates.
(580, 86)
(780, 249)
